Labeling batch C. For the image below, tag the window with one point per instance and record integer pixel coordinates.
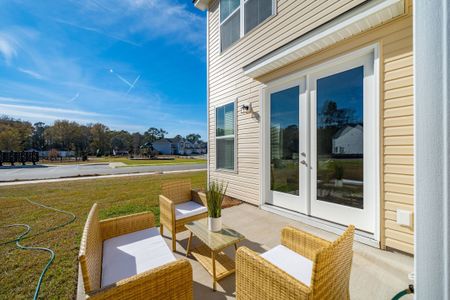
(235, 12)
(225, 137)
(256, 11)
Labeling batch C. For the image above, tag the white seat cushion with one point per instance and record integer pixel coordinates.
(290, 262)
(133, 253)
(188, 209)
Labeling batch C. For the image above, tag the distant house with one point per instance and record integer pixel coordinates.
(348, 141)
(178, 146)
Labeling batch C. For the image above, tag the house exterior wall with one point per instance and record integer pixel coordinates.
(294, 18)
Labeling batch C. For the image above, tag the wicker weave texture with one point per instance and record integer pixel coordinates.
(331, 272)
(256, 278)
(123, 225)
(91, 251)
(178, 191)
(172, 281)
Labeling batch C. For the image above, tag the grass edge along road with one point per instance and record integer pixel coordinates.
(128, 162)
(116, 196)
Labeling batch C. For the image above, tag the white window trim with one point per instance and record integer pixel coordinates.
(234, 136)
(242, 33)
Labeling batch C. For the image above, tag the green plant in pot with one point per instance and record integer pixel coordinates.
(214, 199)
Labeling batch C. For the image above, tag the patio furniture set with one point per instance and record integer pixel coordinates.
(127, 257)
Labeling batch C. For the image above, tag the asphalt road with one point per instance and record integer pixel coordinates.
(8, 173)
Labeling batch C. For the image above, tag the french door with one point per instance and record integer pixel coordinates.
(321, 142)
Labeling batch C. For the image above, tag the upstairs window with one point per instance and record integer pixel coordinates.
(238, 17)
(225, 137)
(256, 11)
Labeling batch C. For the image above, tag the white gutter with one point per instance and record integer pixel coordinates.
(356, 21)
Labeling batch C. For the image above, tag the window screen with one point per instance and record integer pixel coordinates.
(227, 7)
(230, 30)
(256, 11)
(225, 137)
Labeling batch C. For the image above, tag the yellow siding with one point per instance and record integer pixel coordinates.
(294, 18)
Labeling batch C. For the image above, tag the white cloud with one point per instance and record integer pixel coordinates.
(61, 111)
(7, 49)
(31, 73)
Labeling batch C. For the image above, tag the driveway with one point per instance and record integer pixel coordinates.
(8, 173)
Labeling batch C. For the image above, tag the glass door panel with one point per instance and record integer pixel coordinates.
(340, 134)
(284, 141)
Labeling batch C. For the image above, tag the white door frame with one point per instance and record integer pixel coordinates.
(265, 151)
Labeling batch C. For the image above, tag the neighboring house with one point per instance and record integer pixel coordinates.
(273, 67)
(61, 153)
(178, 146)
(348, 141)
(163, 146)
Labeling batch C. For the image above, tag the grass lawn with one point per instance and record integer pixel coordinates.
(20, 270)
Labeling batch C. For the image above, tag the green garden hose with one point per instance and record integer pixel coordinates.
(25, 235)
(409, 290)
(50, 261)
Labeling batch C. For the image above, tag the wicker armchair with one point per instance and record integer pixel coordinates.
(172, 280)
(257, 278)
(176, 195)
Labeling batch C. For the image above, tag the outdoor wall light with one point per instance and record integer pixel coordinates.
(246, 108)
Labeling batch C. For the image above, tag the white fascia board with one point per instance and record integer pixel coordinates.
(201, 4)
(359, 20)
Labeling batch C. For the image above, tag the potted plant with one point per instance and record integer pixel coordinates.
(214, 199)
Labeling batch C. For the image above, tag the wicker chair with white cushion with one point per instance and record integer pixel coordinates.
(127, 258)
(179, 205)
(302, 267)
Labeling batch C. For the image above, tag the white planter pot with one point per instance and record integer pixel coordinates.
(338, 183)
(214, 224)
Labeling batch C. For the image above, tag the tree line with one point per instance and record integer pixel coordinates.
(91, 139)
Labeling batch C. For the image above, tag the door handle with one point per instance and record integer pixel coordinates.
(303, 162)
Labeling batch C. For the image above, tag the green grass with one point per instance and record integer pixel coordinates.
(19, 269)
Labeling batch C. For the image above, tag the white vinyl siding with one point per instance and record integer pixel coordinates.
(225, 137)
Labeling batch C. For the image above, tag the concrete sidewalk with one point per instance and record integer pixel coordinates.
(95, 177)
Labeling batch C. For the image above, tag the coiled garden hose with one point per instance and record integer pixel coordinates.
(71, 220)
(25, 235)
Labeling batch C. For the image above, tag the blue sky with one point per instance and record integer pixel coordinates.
(78, 60)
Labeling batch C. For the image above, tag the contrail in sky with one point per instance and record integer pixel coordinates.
(131, 85)
(74, 98)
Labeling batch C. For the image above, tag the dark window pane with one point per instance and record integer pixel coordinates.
(340, 138)
(284, 134)
(230, 31)
(227, 7)
(256, 11)
(225, 153)
(225, 120)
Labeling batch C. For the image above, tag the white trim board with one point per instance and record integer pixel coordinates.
(356, 21)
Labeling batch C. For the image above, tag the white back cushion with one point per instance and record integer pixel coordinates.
(290, 262)
(133, 253)
(188, 209)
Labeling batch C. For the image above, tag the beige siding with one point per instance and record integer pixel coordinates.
(294, 18)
